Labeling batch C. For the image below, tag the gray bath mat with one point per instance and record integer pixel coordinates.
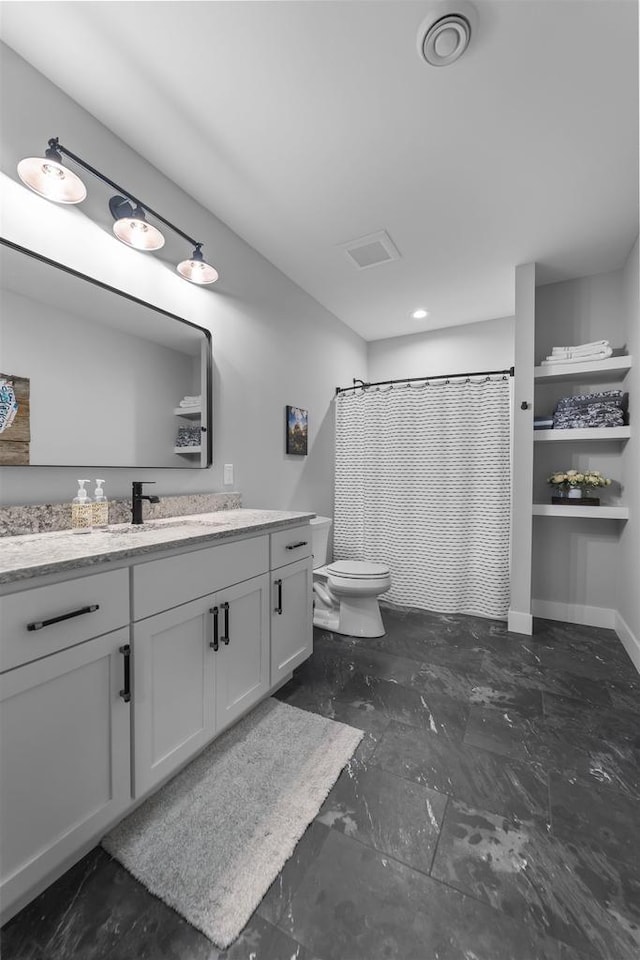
(212, 840)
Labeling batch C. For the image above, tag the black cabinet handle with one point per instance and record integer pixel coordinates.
(225, 637)
(39, 624)
(278, 607)
(294, 546)
(125, 693)
(214, 643)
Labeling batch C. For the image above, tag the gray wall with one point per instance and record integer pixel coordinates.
(273, 344)
(472, 346)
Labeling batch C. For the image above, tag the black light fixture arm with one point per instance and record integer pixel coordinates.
(57, 147)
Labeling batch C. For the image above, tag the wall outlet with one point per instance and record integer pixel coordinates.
(228, 474)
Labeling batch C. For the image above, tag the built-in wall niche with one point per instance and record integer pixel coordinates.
(107, 372)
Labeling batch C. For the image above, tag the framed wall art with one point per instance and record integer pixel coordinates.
(297, 425)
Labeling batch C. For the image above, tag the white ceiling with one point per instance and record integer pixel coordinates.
(309, 123)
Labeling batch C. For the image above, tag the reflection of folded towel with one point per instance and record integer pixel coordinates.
(583, 358)
(596, 346)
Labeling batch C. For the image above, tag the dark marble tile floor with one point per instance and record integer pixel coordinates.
(491, 812)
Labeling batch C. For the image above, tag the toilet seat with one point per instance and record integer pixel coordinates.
(357, 569)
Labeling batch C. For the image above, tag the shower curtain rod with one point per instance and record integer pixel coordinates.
(361, 385)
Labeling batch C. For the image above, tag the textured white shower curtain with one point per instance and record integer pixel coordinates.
(423, 484)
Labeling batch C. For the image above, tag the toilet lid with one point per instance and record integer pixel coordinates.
(358, 569)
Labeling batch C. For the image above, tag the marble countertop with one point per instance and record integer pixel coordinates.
(37, 554)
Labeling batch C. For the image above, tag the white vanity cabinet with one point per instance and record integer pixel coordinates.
(64, 725)
(292, 600)
(111, 681)
(201, 664)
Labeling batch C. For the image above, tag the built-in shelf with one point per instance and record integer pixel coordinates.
(585, 433)
(614, 368)
(558, 510)
(191, 413)
(187, 450)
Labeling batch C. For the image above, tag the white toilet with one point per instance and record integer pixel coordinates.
(345, 593)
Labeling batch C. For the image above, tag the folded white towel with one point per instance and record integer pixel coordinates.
(577, 354)
(554, 361)
(595, 345)
(189, 403)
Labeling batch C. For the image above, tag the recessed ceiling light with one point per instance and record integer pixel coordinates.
(420, 314)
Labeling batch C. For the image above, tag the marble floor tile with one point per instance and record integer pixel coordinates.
(97, 911)
(597, 816)
(478, 777)
(535, 676)
(393, 815)
(358, 904)
(567, 748)
(276, 901)
(566, 891)
(625, 693)
(437, 713)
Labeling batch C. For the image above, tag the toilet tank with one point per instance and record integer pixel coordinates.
(320, 527)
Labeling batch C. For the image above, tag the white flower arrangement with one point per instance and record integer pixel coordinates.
(566, 480)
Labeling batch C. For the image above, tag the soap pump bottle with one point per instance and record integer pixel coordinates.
(81, 510)
(100, 507)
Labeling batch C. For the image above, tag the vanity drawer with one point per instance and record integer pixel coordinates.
(162, 584)
(290, 545)
(80, 610)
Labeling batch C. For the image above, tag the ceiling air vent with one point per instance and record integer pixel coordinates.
(371, 250)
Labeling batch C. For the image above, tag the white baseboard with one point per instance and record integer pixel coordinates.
(574, 613)
(519, 622)
(629, 641)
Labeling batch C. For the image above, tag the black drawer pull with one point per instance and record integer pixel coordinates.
(39, 624)
(214, 643)
(294, 546)
(125, 693)
(225, 637)
(278, 608)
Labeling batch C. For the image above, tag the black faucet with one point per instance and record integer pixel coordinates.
(137, 496)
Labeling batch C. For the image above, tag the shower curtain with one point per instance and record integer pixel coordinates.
(423, 484)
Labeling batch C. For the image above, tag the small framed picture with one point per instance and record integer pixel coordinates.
(297, 430)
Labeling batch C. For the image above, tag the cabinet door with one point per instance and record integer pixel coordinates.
(173, 690)
(242, 658)
(64, 758)
(291, 618)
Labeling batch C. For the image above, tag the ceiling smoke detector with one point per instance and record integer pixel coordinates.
(445, 33)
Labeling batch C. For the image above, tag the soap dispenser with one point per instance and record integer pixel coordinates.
(100, 507)
(81, 510)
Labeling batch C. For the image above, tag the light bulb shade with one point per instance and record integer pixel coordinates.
(49, 178)
(197, 270)
(131, 226)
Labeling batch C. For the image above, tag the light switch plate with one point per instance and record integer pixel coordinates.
(228, 473)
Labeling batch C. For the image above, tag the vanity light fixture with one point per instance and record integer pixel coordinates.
(131, 225)
(197, 270)
(49, 178)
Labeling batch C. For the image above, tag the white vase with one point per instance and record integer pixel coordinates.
(575, 493)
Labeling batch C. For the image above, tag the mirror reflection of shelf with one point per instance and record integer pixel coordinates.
(591, 513)
(187, 450)
(191, 413)
(583, 433)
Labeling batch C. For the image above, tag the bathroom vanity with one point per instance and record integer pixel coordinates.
(123, 654)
